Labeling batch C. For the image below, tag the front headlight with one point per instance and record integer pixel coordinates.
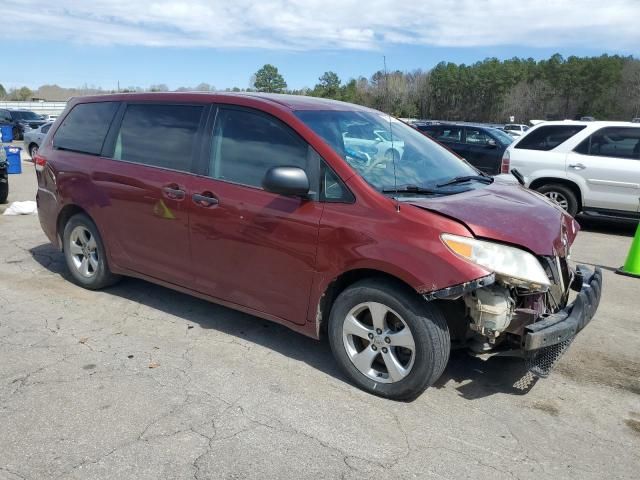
(512, 265)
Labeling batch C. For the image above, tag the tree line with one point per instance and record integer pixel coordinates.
(606, 87)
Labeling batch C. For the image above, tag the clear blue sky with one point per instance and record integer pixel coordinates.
(159, 41)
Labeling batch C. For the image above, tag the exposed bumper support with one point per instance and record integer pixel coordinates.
(564, 325)
(461, 289)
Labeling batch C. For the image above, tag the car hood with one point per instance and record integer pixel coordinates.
(510, 214)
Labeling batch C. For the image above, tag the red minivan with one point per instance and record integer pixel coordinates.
(333, 219)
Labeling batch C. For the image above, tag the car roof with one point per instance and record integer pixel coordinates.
(290, 102)
(595, 123)
(463, 124)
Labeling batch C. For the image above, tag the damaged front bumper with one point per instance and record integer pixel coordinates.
(548, 338)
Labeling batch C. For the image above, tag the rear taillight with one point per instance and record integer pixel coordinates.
(39, 162)
(506, 162)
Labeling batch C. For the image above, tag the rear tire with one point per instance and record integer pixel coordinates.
(407, 351)
(562, 195)
(85, 254)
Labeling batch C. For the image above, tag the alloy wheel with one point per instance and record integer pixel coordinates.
(84, 251)
(558, 198)
(378, 342)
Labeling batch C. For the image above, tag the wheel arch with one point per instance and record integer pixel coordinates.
(575, 188)
(341, 283)
(64, 215)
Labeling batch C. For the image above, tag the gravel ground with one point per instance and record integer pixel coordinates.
(139, 381)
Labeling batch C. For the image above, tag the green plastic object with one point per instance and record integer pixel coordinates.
(632, 265)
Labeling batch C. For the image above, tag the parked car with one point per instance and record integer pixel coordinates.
(254, 202)
(481, 146)
(4, 177)
(50, 118)
(590, 167)
(21, 120)
(515, 129)
(33, 138)
(376, 144)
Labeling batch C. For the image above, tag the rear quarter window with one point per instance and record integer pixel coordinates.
(548, 137)
(85, 127)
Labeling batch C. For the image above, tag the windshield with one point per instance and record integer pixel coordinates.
(415, 159)
(25, 115)
(384, 135)
(503, 137)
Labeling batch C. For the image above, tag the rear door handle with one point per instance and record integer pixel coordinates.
(204, 199)
(577, 166)
(173, 192)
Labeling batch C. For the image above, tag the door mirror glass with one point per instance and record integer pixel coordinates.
(290, 181)
(491, 143)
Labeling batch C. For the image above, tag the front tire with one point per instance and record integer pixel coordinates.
(33, 151)
(85, 254)
(562, 195)
(388, 340)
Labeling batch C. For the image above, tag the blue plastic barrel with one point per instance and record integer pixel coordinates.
(13, 159)
(7, 133)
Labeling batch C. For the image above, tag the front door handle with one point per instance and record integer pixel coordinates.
(204, 199)
(174, 192)
(577, 166)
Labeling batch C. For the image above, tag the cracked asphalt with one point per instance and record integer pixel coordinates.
(142, 382)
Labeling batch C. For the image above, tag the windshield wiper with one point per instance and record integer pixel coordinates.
(466, 178)
(409, 189)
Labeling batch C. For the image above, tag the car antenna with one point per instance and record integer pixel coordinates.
(393, 156)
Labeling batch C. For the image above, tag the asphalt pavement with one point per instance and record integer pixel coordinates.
(142, 382)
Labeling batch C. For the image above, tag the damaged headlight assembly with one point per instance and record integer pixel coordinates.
(513, 266)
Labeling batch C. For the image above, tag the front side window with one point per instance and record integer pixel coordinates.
(408, 158)
(46, 128)
(248, 143)
(475, 136)
(619, 142)
(548, 137)
(85, 127)
(502, 137)
(159, 135)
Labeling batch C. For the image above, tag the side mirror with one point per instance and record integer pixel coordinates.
(290, 181)
(491, 143)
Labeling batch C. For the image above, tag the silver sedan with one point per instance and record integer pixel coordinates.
(33, 138)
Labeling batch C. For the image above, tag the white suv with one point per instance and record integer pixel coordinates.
(589, 167)
(515, 129)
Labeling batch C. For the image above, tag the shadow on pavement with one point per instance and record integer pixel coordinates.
(483, 378)
(478, 378)
(624, 228)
